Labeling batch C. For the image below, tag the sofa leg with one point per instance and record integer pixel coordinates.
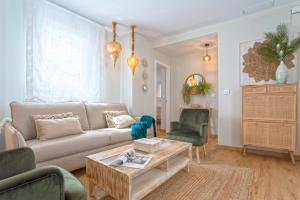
(197, 154)
(204, 150)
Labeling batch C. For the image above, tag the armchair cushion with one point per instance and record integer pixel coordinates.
(175, 126)
(185, 135)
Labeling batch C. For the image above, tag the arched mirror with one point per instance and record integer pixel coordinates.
(194, 80)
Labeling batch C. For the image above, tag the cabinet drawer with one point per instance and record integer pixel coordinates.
(254, 89)
(282, 88)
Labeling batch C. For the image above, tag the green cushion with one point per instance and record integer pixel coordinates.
(185, 136)
(74, 190)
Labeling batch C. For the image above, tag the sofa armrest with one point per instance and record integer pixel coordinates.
(16, 161)
(175, 126)
(45, 183)
(13, 138)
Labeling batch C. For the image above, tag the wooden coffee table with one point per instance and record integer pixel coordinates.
(130, 183)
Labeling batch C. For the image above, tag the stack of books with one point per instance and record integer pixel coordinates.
(147, 145)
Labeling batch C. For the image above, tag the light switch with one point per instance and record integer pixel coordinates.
(226, 92)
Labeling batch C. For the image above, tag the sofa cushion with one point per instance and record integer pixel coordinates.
(59, 147)
(55, 128)
(119, 135)
(95, 113)
(123, 121)
(22, 113)
(109, 115)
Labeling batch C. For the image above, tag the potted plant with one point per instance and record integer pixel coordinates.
(279, 47)
(201, 89)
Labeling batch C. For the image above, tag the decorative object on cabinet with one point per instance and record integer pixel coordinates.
(255, 69)
(270, 117)
(132, 60)
(114, 48)
(279, 48)
(195, 84)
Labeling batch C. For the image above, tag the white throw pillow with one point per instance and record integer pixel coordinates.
(123, 121)
(54, 128)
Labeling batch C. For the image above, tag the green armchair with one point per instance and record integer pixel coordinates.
(21, 180)
(192, 127)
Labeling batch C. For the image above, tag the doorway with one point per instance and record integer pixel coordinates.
(162, 93)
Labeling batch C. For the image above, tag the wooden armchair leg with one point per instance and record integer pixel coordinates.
(197, 154)
(204, 150)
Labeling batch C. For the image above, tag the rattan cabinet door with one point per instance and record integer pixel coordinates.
(282, 136)
(255, 106)
(282, 107)
(256, 133)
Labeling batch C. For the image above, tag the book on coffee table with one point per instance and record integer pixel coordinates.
(139, 161)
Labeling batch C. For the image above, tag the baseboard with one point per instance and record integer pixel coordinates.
(259, 152)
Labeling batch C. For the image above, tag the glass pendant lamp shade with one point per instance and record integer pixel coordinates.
(114, 48)
(132, 60)
(207, 57)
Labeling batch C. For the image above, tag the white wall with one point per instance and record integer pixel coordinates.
(230, 35)
(138, 102)
(185, 65)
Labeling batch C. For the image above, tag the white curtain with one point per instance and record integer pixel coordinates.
(64, 54)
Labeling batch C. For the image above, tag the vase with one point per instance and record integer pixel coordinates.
(282, 73)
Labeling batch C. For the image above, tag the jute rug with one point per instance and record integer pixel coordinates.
(203, 182)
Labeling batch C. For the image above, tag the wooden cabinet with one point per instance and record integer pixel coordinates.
(270, 117)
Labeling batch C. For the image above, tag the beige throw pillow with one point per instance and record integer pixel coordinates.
(54, 128)
(109, 116)
(123, 121)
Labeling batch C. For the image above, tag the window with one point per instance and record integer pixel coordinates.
(63, 54)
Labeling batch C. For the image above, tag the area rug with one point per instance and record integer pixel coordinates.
(203, 182)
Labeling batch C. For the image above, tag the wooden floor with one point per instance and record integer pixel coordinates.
(274, 178)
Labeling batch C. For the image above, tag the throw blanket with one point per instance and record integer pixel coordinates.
(139, 129)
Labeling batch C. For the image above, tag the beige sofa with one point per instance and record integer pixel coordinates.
(68, 152)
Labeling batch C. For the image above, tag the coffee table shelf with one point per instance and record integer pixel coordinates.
(129, 183)
(153, 178)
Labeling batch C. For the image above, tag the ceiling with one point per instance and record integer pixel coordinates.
(189, 46)
(157, 18)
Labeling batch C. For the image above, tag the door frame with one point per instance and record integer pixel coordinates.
(168, 91)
